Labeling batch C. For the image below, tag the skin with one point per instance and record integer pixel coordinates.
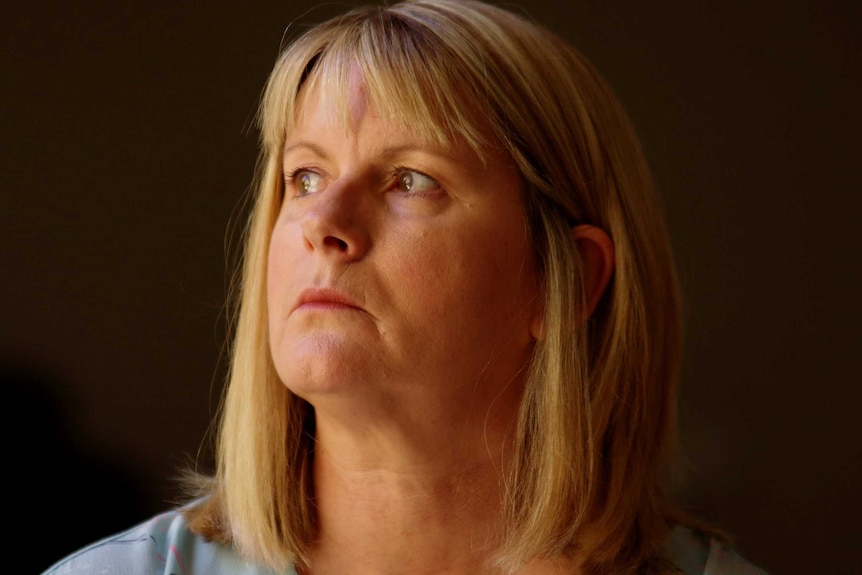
(416, 383)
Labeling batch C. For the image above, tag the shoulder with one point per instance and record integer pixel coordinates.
(163, 545)
(697, 554)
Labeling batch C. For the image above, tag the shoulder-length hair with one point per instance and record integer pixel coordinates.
(597, 420)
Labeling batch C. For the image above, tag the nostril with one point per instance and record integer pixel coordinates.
(336, 243)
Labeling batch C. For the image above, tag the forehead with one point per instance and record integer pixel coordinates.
(317, 105)
(355, 122)
(345, 84)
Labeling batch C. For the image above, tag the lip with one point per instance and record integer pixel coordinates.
(324, 298)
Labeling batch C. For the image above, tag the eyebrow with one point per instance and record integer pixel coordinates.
(429, 148)
(307, 145)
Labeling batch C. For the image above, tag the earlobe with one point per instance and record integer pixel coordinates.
(537, 326)
(596, 249)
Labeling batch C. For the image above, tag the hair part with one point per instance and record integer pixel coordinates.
(597, 421)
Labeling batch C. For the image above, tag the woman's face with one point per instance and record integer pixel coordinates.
(399, 271)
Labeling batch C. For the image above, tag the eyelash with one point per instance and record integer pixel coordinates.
(290, 177)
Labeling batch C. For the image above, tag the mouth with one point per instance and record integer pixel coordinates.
(324, 299)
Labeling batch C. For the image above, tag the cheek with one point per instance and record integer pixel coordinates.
(424, 262)
(280, 262)
(460, 278)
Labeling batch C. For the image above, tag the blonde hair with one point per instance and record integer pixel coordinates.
(597, 420)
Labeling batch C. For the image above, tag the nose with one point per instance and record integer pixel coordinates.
(336, 224)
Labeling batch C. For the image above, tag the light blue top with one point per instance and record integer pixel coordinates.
(164, 545)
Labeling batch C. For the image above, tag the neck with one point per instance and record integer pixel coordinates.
(392, 502)
(400, 503)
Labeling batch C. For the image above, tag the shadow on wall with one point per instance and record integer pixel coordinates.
(60, 494)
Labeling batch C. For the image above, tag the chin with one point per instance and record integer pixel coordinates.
(325, 370)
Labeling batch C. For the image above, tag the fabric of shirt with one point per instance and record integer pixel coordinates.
(165, 545)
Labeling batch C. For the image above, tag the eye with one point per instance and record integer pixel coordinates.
(411, 181)
(305, 181)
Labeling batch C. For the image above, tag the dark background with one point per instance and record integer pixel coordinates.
(127, 145)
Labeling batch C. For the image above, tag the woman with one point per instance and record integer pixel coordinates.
(458, 336)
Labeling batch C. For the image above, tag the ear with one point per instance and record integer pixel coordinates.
(597, 256)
